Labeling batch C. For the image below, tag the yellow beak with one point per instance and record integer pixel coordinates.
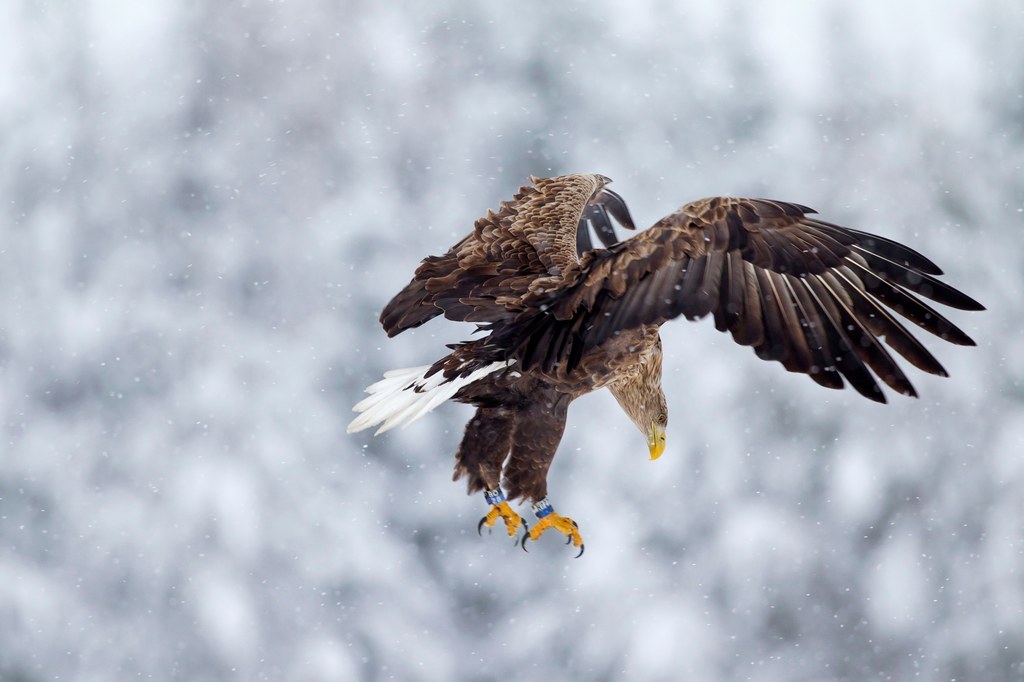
(656, 441)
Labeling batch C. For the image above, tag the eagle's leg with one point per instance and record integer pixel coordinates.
(484, 447)
(500, 510)
(537, 434)
(547, 517)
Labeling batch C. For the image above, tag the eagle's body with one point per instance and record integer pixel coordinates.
(564, 319)
(522, 415)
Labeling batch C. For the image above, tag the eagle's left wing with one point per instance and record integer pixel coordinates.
(817, 297)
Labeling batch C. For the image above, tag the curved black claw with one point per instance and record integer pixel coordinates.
(577, 526)
(526, 536)
(480, 527)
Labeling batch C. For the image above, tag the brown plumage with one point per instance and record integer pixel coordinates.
(564, 319)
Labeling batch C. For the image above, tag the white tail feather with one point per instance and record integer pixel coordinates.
(405, 395)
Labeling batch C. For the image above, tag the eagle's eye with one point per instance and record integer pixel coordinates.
(662, 419)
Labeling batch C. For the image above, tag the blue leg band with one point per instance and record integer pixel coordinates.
(543, 508)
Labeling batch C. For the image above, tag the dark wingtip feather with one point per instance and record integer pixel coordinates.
(617, 207)
(583, 241)
(893, 250)
(958, 337)
(965, 302)
(909, 391)
(876, 395)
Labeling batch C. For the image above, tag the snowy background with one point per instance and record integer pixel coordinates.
(206, 205)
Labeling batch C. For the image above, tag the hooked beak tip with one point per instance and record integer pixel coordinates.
(656, 442)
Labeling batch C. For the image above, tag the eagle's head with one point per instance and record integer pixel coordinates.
(643, 400)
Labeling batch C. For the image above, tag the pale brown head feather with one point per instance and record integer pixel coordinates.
(643, 400)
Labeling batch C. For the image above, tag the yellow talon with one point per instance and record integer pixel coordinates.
(503, 511)
(563, 524)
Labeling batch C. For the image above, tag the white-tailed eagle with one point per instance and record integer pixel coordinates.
(563, 319)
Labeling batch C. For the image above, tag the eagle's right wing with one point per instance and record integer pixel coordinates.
(537, 236)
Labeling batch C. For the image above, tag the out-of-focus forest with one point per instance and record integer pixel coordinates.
(205, 206)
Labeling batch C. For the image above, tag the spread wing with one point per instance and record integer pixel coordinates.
(823, 300)
(535, 237)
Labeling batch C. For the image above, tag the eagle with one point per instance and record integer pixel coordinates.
(561, 319)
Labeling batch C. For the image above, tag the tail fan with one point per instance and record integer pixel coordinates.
(405, 395)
